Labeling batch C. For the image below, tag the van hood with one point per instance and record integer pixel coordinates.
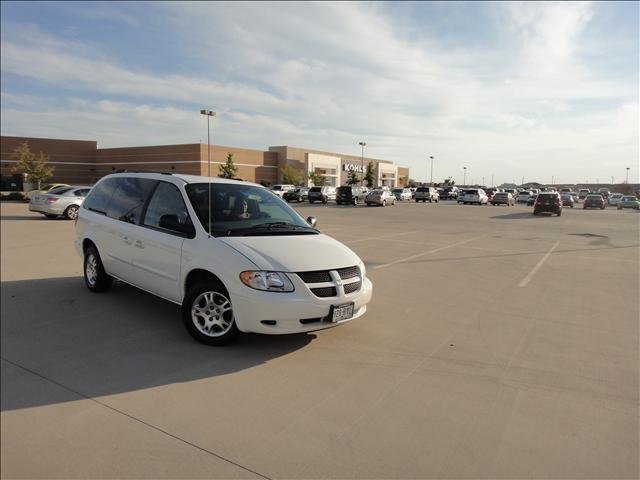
(294, 253)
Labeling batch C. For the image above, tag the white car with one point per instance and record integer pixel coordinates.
(523, 197)
(474, 195)
(615, 199)
(59, 201)
(233, 255)
(402, 194)
(280, 190)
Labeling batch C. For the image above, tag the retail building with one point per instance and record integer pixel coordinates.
(82, 162)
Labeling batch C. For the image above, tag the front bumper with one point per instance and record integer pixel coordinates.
(287, 309)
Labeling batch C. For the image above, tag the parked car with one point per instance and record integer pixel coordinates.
(583, 192)
(567, 200)
(548, 202)
(322, 194)
(402, 194)
(523, 196)
(474, 195)
(629, 201)
(427, 194)
(224, 260)
(44, 189)
(300, 194)
(615, 198)
(350, 194)
(502, 198)
(532, 200)
(281, 189)
(512, 191)
(449, 193)
(604, 192)
(594, 200)
(380, 197)
(60, 201)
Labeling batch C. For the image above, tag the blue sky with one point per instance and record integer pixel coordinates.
(507, 89)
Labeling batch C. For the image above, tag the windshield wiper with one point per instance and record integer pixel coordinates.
(277, 228)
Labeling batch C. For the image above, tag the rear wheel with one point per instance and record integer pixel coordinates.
(96, 279)
(207, 314)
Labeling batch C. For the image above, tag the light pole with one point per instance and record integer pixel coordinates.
(553, 180)
(492, 183)
(464, 178)
(483, 182)
(611, 179)
(209, 114)
(431, 178)
(362, 144)
(627, 175)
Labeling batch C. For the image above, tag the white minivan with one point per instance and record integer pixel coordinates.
(234, 255)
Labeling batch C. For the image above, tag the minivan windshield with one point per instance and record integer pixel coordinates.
(244, 210)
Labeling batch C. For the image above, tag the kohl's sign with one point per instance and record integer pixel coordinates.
(352, 167)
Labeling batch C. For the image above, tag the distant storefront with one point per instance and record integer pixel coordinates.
(79, 161)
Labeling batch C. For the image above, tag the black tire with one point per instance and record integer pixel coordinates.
(311, 201)
(50, 216)
(95, 278)
(192, 298)
(417, 200)
(424, 200)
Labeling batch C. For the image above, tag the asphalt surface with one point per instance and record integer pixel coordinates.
(497, 345)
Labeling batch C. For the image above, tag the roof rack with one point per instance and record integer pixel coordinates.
(142, 171)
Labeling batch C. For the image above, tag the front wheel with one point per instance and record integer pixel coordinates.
(207, 314)
(96, 279)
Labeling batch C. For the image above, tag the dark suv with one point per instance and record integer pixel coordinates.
(350, 194)
(594, 200)
(548, 202)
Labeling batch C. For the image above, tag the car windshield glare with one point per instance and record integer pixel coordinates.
(238, 209)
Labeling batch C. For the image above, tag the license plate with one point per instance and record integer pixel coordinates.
(342, 312)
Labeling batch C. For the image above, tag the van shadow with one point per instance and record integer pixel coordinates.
(103, 344)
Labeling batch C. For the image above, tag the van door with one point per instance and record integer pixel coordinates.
(157, 244)
(124, 212)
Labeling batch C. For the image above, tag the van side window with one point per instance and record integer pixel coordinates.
(100, 196)
(129, 197)
(167, 211)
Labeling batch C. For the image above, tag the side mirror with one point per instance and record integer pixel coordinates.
(170, 222)
(312, 221)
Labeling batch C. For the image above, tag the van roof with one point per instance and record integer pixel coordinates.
(183, 177)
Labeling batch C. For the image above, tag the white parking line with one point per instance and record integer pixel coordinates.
(382, 238)
(526, 279)
(385, 265)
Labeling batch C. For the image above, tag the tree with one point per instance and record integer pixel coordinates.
(352, 179)
(33, 166)
(368, 176)
(449, 182)
(316, 179)
(412, 183)
(292, 175)
(228, 170)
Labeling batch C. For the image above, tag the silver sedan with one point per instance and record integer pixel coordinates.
(380, 197)
(60, 201)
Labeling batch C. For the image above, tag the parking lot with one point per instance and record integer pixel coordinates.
(498, 344)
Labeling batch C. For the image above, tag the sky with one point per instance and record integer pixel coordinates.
(535, 91)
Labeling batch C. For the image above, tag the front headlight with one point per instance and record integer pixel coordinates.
(363, 270)
(267, 281)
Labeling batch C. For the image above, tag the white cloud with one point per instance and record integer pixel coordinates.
(327, 75)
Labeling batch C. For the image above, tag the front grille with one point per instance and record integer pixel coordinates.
(315, 277)
(349, 272)
(324, 292)
(352, 287)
